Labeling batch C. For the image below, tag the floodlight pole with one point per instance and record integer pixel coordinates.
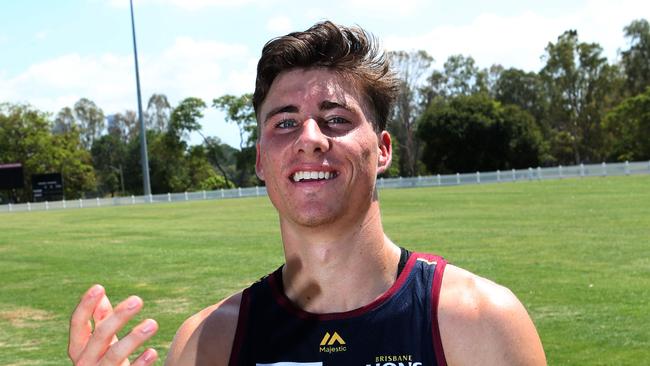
(143, 134)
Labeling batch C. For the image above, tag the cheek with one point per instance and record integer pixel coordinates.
(365, 153)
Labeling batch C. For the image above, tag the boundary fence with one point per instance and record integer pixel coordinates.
(514, 175)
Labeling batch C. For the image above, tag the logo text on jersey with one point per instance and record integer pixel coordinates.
(329, 343)
(394, 360)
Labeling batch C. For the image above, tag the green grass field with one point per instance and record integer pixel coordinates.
(576, 252)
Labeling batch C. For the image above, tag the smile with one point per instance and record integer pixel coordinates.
(313, 175)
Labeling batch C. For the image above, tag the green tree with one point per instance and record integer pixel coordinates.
(460, 76)
(411, 68)
(579, 83)
(109, 156)
(158, 112)
(124, 125)
(185, 119)
(628, 127)
(471, 133)
(26, 137)
(90, 119)
(523, 89)
(64, 121)
(239, 109)
(636, 59)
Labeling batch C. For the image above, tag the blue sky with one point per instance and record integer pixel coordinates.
(54, 52)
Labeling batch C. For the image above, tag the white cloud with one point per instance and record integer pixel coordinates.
(279, 25)
(41, 35)
(519, 40)
(187, 68)
(388, 9)
(191, 5)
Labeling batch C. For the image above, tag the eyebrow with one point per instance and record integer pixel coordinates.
(281, 109)
(325, 105)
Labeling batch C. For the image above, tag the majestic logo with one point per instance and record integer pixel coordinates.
(327, 344)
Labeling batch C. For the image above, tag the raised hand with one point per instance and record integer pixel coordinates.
(98, 344)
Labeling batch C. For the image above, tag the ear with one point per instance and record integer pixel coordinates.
(385, 152)
(259, 169)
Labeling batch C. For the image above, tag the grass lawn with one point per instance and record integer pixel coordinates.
(575, 251)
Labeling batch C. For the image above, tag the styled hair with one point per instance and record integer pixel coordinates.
(349, 51)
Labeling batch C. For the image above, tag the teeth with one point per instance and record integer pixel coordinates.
(312, 175)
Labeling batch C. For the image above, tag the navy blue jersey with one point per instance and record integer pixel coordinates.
(400, 328)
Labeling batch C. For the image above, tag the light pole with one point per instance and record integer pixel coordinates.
(143, 134)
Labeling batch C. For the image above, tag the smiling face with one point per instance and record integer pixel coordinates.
(317, 151)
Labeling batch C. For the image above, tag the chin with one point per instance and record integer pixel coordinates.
(314, 219)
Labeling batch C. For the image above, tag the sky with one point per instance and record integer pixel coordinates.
(52, 53)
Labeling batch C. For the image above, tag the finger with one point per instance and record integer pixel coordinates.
(148, 357)
(121, 350)
(103, 309)
(104, 333)
(80, 325)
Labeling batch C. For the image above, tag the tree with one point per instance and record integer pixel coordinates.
(460, 76)
(109, 156)
(90, 119)
(158, 112)
(64, 121)
(523, 89)
(239, 109)
(185, 117)
(411, 68)
(579, 82)
(471, 133)
(636, 59)
(25, 137)
(628, 126)
(123, 125)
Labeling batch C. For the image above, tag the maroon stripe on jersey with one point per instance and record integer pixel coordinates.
(435, 297)
(275, 282)
(240, 333)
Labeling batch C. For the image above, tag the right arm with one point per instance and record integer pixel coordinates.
(206, 338)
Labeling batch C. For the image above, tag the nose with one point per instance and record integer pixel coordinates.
(311, 139)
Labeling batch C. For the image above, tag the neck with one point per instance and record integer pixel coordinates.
(340, 266)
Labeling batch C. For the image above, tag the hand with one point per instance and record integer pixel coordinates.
(100, 345)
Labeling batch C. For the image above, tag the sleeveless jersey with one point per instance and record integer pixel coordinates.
(400, 328)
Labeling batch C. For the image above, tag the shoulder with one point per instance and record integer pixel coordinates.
(206, 338)
(482, 322)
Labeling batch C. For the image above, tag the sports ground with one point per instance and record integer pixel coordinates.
(575, 251)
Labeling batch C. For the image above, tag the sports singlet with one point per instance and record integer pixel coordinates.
(400, 328)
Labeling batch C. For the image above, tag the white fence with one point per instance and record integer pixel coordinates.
(559, 172)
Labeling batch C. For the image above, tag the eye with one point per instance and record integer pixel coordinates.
(286, 123)
(337, 121)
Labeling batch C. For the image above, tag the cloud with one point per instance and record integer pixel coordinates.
(279, 25)
(388, 9)
(191, 5)
(41, 35)
(520, 40)
(187, 68)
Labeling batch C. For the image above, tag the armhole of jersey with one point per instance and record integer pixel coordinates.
(435, 297)
(242, 321)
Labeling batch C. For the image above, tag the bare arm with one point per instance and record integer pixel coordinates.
(484, 323)
(206, 338)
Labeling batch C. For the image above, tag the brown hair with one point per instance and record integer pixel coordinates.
(350, 51)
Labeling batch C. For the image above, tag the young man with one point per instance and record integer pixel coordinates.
(346, 295)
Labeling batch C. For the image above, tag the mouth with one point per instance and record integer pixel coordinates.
(313, 175)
